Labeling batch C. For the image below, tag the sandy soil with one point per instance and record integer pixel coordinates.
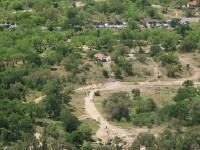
(37, 100)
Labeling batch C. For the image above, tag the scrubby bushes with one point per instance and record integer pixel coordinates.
(121, 107)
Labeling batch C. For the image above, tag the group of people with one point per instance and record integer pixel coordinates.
(87, 94)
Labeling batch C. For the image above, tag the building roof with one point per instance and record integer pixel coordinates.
(193, 3)
(68, 40)
(99, 55)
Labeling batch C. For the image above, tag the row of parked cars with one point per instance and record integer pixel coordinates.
(162, 23)
(144, 24)
(8, 25)
(154, 24)
(110, 25)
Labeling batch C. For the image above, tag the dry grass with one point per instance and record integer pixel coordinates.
(78, 104)
(159, 94)
(92, 123)
(194, 57)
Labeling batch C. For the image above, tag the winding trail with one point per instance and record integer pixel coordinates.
(37, 100)
(106, 130)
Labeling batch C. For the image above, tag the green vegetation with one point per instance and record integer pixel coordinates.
(120, 106)
(47, 49)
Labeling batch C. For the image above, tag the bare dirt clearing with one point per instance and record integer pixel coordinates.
(107, 130)
(37, 100)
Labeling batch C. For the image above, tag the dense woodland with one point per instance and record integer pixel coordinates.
(29, 53)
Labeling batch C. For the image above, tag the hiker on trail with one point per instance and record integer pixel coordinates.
(87, 93)
(107, 132)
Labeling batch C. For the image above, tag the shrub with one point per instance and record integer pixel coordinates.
(97, 93)
(188, 83)
(70, 122)
(105, 73)
(135, 92)
(144, 119)
(117, 105)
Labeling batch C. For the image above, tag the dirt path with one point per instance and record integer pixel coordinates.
(38, 136)
(37, 100)
(107, 130)
(124, 85)
(79, 4)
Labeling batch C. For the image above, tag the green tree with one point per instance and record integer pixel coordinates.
(185, 93)
(171, 63)
(144, 140)
(188, 45)
(188, 83)
(117, 71)
(155, 50)
(72, 62)
(77, 137)
(182, 29)
(70, 122)
(55, 97)
(194, 112)
(117, 105)
(15, 121)
(135, 92)
(105, 73)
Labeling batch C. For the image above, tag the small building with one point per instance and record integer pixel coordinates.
(68, 40)
(193, 4)
(99, 56)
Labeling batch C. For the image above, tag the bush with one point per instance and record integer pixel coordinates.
(87, 67)
(117, 71)
(144, 119)
(105, 73)
(117, 105)
(135, 92)
(153, 13)
(70, 122)
(16, 5)
(142, 106)
(185, 93)
(164, 113)
(97, 93)
(188, 45)
(155, 50)
(77, 137)
(188, 83)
